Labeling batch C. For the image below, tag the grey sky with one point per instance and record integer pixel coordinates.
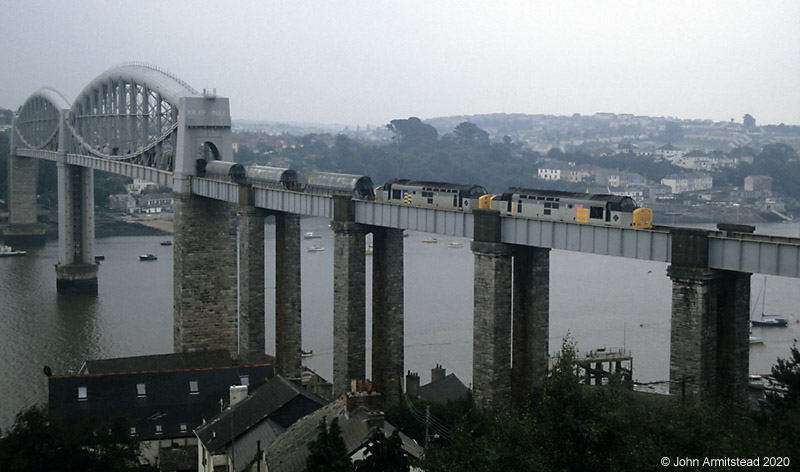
(371, 61)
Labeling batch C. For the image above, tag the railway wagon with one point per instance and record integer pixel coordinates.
(221, 170)
(274, 177)
(330, 183)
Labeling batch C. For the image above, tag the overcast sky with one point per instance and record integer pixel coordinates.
(368, 62)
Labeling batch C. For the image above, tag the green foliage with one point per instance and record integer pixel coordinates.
(749, 122)
(468, 134)
(412, 132)
(570, 426)
(384, 454)
(672, 133)
(786, 375)
(328, 451)
(38, 442)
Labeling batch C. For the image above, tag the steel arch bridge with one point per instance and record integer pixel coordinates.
(133, 120)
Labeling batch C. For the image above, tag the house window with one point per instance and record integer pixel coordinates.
(82, 393)
(133, 430)
(158, 429)
(244, 380)
(193, 387)
(141, 390)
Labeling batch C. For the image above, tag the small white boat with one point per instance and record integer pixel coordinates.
(148, 257)
(6, 251)
(306, 352)
(756, 340)
(455, 244)
(430, 240)
(311, 235)
(315, 248)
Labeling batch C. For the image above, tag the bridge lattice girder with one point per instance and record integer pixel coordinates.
(36, 125)
(129, 113)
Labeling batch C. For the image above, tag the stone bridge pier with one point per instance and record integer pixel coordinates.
(709, 339)
(349, 304)
(288, 312)
(76, 269)
(511, 288)
(23, 228)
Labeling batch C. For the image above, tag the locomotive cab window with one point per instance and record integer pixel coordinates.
(395, 194)
(596, 212)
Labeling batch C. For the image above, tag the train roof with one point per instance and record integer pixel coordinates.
(270, 174)
(338, 181)
(467, 188)
(224, 167)
(600, 197)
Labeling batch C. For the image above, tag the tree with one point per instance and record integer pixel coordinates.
(468, 134)
(672, 133)
(328, 451)
(786, 374)
(384, 454)
(412, 132)
(39, 441)
(749, 122)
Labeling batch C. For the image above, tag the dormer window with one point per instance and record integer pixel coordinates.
(82, 393)
(141, 390)
(183, 428)
(158, 429)
(133, 430)
(193, 387)
(244, 380)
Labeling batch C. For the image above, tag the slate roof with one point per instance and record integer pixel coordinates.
(159, 362)
(444, 390)
(288, 453)
(167, 399)
(280, 401)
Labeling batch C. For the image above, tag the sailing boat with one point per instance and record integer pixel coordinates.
(766, 320)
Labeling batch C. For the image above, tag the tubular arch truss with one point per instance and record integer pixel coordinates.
(127, 114)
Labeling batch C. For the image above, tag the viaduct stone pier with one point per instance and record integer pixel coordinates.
(23, 228)
(349, 304)
(511, 288)
(709, 339)
(287, 295)
(76, 268)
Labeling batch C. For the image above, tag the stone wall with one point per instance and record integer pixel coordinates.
(204, 275)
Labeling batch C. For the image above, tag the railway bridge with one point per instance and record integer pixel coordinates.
(140, 121)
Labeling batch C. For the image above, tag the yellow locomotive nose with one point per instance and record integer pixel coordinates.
(642, 218)
(485, 202)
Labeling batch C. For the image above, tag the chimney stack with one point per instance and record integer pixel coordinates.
(438, 373)
(412, 385)
(238, 393)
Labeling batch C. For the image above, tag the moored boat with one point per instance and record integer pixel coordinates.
(311, 235)
(430, 240)
(315, 248)
(166, 243)
(770, 322)
(148, 257)
(6, 251)
(306, 353)
(455, 244)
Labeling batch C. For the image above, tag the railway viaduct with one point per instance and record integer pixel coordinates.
(141, 121)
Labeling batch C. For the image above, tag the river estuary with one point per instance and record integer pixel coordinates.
(601, 301)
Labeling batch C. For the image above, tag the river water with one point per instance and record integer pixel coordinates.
(601, 301)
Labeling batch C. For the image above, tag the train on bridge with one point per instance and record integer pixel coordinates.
(573, 207)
